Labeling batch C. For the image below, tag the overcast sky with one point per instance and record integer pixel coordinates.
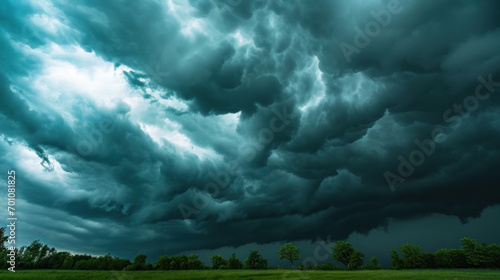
(166, 127)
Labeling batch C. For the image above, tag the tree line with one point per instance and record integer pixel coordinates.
(471, 255)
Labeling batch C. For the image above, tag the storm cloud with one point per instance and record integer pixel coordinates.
(170, 126)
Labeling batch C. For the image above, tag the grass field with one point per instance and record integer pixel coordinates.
(252, 274)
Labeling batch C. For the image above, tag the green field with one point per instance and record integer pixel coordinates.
(253, 274)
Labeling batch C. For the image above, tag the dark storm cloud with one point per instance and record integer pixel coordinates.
(317, 172)
(150, 40)
(122, 160)
(135, 78)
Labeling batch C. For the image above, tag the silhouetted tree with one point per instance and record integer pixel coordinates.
(120, 263)
(290, 253)
(397, 262)
(480, 255)
(451, 258)
(372, 265)
(356, 260)
(84, 264)
(472, 254)
(255, 261)
(493, 256)
(52, 261)
(140, 263)
(3, 238)
(68, 263)
(428, 260)
(163, 263)
(344, 252)
(194, 262)
(411, 256)
(218, 262)
(33, 256)
(179, 262)
(234, 262)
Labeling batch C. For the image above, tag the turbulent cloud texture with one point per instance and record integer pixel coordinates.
(169, 126)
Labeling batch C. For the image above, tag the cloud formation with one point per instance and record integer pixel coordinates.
(225, 123)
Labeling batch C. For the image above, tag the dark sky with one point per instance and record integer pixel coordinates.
(166, 127)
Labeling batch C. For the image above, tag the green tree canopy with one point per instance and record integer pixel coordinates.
(356, 260)
(450, 258)
(255, 260)
(480, 254)
(3, 238)
(162, 263)
(194, 262)
(344, 252)
(139, 263)
(372, 265)
(235, 263)
(290, 253)
(412, 257)
(218, 262)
